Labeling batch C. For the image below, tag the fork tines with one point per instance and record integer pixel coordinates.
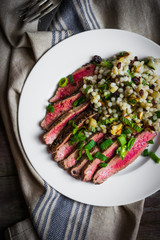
(36, 9)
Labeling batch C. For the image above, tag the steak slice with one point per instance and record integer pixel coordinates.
(60, 123)
(92, 167)
(87, 70)
(71, 160)
(63, 152)
(60, 107)
(76, 171)
(116, 164)
(79, 121)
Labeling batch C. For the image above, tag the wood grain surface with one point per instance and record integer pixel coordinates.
(13, 207)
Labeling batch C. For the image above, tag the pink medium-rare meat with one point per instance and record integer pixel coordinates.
(70, 88)
(63, 152)
(93, 166)
(116, 163)
(71, 160)
(79, 121)
(58, 125)
(60, 107)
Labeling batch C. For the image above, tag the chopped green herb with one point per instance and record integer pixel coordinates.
(145, 153)
(70, 77)
(89, 155)
(50, 108)
(158, 114)
(101, 156)
(103, 164)
(93, 129)
(90, 145)
(132, 101)
(107, 96)
(105, 144)
(76, 138)
(144, 82)
(79, 154)
(63, 82)
(79, 101)
(150, 142)
(86, 90)
(75, 127)
(108, 64)
(130, 143)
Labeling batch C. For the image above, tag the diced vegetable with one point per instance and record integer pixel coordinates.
(89, 155)
(70, 77)
(154, 157)
(79, 101)
(63, 82)
(122, 140)
(90, 145)
(105, 144)
(92, 124)
(103, 164)
(101, 156)
(50, 108)
(130, 143)
(145, 153)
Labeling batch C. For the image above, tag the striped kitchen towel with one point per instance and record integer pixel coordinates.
(54, 216)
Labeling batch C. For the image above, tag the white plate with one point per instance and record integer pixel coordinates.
(137, 181)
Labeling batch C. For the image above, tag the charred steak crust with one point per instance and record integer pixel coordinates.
(60, 108)
(79, 121)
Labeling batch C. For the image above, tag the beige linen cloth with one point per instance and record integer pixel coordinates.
(21, 45)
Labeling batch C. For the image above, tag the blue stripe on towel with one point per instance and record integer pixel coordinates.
(87, 222)
(40, 200)
(98, 26)
(83, 15)
(73, 221)
(59, 219)
(86, 8)
(47, 214)
(80, 221)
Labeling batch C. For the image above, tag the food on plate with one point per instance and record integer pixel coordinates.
(103, 116)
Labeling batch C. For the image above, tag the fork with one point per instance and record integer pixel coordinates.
(36, 9)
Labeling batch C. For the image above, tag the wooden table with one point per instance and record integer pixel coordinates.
(13, 207)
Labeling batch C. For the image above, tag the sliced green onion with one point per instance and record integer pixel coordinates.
(158, 114)
(105, 144)
(90, 145)
(70, 77)
(108, 64)
(144, 82)
(79, 101)
(86, 90)
(130, 143)
(145, 153)
(154, 157)
(63, 82)
(131, 124)
(127, 131)
(76, 138)
(89, 155)
(101, 156)
(123, 151)
(103, 164)
(50, 108)
(151, 142)
(122, 140)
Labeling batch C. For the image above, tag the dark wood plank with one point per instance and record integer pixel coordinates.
(12, 205)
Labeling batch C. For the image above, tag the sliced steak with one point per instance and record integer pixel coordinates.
(92, 167)
(63, 152)
(116, 164)
(70, 88)
(76, 171)
(60, 107)
(60, 123)
(79, 121)
(71, 160)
